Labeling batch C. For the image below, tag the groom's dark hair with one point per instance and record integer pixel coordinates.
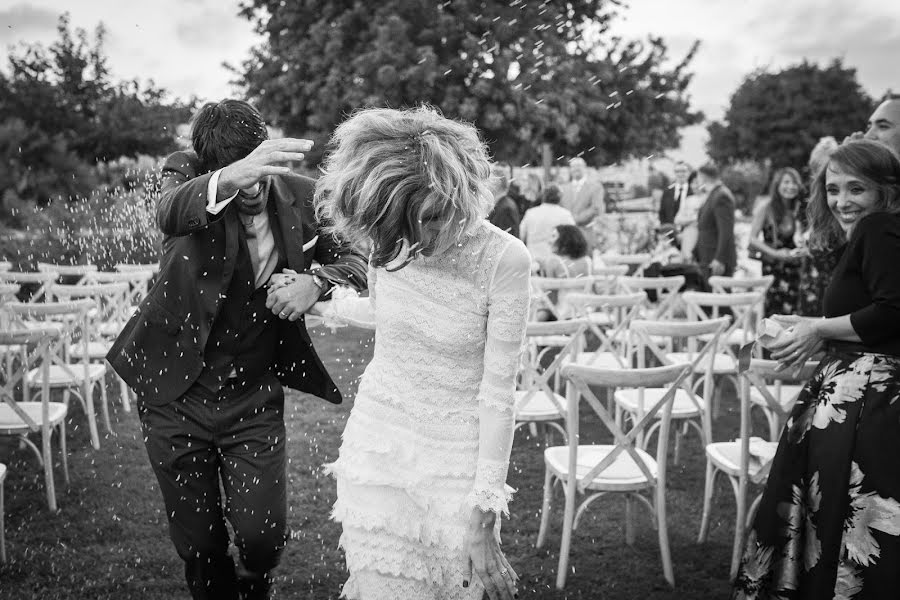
(225, 132)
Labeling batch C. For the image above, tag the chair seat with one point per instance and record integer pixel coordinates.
(726, 456)
(623, 473)
(14, 348)
(11, 423)
(95, 350)
(723, 364)
(551, 341)
(601, 360)
(601, 318)
(539, 406)
(683, 406)
(60, 377)
(788, 396)
(738, 337)
(110, 329)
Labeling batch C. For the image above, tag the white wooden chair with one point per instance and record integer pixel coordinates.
(700, 306)
(71, 373)
(636, 263)
(19, 419)
(606, 278)
(546, 293)
(688, 408)
(777, 401)
(666, 289)
(739, 285)
(67, 273)
(5, 265)
(744, 461)
(112, 303)
(622, 467)
(608, 317)
(537, 401)
(2, 517)
(42, 281)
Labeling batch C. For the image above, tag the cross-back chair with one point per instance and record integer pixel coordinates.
(73, 373)
(538, 401)
(623, 467)
(40, 282)
(745, 460)
(665, 289)
(67, 273)
(21, 418)
(608, 317)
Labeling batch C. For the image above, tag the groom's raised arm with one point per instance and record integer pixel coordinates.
(183, 199)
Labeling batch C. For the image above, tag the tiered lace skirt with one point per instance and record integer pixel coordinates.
(403, 476)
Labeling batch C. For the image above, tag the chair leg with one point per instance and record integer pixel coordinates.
(773, 425)
(2, 527)
(124, 394)
(663, 530)
(62, 447)
(629, 520)
(91, 415)
(46, 439)
(545, 508)
(566, 543)
(679, 433)
(740, 522)
(707, 501)
(104, 406)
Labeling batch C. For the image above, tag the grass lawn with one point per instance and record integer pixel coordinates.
(110, 539)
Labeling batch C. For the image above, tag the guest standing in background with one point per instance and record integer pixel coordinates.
(674, 195)
(584, 198)
(715, 251)
(538, 226)
(777, 219)
(657, 183)
(505, 214)
(884, 124)
(828, 525)
(686, 218)
(518, 197)
(816, 271)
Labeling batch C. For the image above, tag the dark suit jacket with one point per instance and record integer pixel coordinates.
(715, 230)
(159, 353)
(668, 206)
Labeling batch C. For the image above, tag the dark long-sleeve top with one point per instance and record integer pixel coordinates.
(505, 215)
(866, 283)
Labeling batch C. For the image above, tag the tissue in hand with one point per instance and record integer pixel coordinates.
(769, 333)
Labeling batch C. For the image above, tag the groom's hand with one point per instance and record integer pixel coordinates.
(294, 299)
(269, 158)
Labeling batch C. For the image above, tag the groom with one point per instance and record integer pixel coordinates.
(209, 348)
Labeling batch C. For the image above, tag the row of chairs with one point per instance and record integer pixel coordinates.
(693, 336)
(54, 338)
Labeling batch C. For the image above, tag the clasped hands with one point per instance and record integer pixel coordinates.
(291, 294)
(797, 344)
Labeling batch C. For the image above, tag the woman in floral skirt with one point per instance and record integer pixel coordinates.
(828, 525)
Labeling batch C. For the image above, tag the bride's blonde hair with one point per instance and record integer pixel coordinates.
(404, 181)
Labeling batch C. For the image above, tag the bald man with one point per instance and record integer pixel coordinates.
(584, 198)
(884, 124)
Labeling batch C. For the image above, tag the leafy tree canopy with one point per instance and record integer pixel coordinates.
(528, 73)
(782, 115)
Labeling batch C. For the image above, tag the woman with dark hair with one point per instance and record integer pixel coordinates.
(569, 259)
(777, 219)
(828, 525)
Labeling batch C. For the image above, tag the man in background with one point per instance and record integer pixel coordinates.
(673, 196)
(715, 250)
(505, 213)
(884, 124)
(584, 198)
(538, 227)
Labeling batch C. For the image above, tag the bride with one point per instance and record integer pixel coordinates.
(421, 474)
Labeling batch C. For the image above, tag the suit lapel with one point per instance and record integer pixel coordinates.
(289, 225)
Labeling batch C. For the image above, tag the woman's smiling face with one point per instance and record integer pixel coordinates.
(850, 198)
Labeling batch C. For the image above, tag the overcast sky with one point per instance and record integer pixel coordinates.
(181, 44)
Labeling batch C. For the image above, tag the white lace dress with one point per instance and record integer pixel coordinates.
(430, 432)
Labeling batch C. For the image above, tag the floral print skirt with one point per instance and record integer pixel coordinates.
(828, 525)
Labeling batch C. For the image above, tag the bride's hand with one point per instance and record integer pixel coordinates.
(484, 557)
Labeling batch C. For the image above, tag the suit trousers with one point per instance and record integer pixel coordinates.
(237, 437)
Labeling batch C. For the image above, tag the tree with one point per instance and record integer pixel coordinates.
(530, 75)
(61, 114)
(780, 116)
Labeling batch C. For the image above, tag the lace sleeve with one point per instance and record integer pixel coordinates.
(508, 298)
